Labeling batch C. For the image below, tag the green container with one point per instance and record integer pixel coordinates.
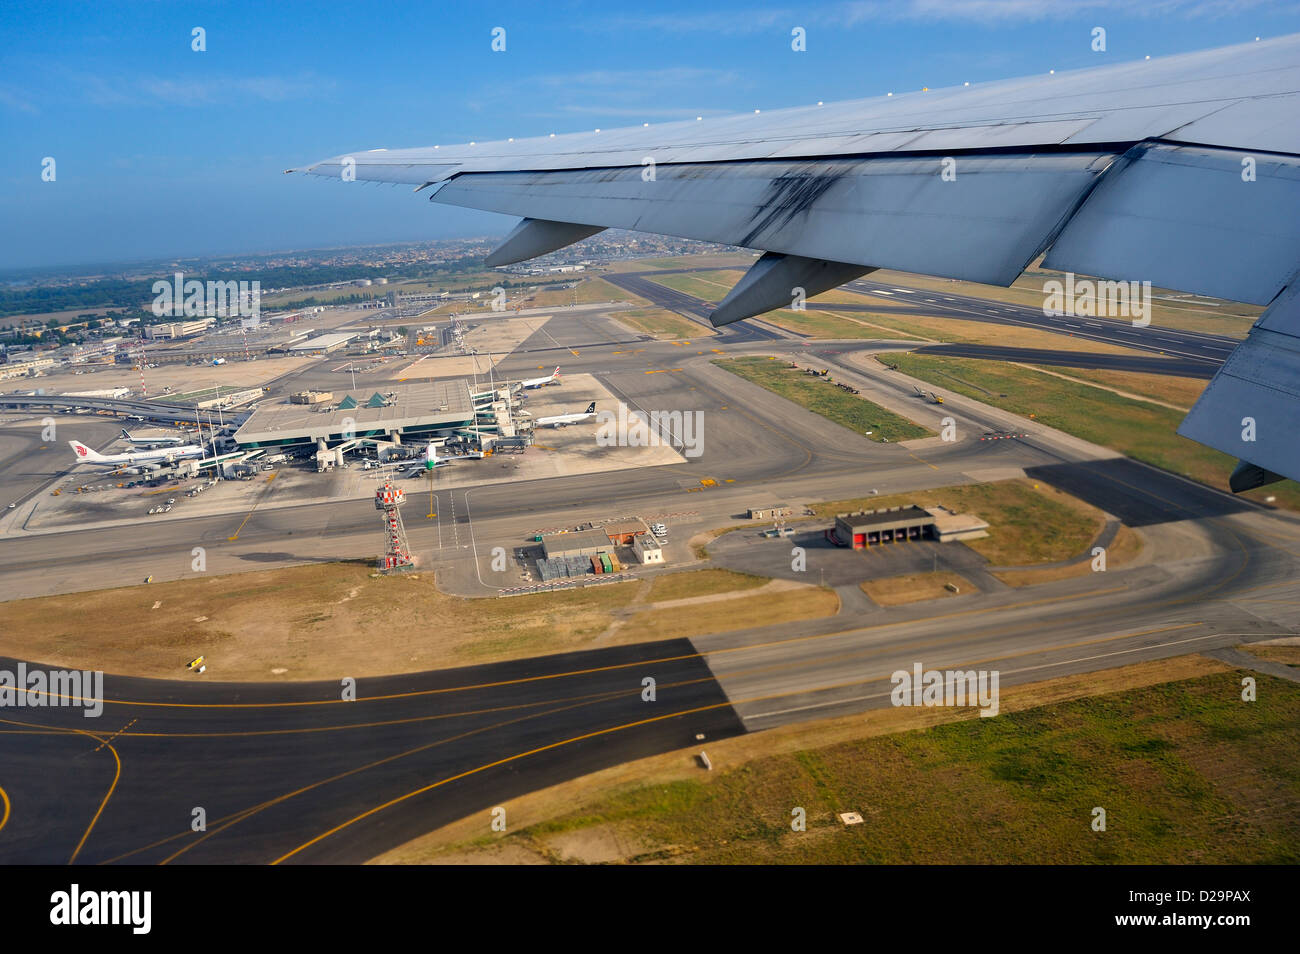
(604, 561)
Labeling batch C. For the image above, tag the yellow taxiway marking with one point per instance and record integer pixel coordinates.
(4, 817)
(243, 814)
(630, 725)
(249, 515)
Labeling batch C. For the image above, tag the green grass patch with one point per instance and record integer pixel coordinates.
(1145, 432)
(1186, 772)
(822, 324)
(821, 397)
(706, 286)
(661, 323)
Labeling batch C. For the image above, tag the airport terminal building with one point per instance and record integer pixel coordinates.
(400, 412)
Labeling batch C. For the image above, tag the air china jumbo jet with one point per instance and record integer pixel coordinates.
(1181, 171)
(140, 459)
(563, 420)
(552, 378)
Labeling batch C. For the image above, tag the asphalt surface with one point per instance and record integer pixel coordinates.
(691, 307)
(1212, 349)
(292, 773)
(1139, 364)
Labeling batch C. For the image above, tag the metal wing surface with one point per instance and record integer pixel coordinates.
(1183, 171)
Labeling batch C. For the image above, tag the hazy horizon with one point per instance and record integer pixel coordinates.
(164, 152)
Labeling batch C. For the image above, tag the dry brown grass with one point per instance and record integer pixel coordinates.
(1123, 549)
(1287, 655)
(312, 621)
(914, 587)
(1029, 522)
(740, 612)
(684, 585)
(661, 323)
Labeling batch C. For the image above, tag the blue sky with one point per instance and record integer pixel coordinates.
(162, 151)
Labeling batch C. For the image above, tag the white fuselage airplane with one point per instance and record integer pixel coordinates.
(165, 455)
(562, 420)
(432, 462)
(151, 441)
(552, 378)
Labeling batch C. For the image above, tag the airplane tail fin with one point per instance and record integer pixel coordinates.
(125, 434)
(591, 408)
(83, 452)
(556, 373)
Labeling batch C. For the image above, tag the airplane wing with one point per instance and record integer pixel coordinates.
(1183, 171)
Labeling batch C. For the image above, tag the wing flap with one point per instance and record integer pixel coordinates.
(982, 218)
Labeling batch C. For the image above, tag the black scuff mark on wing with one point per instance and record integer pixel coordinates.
(786, 197)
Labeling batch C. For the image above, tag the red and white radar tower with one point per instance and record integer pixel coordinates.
(388, 499)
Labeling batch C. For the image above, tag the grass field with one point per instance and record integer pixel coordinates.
(1143, 431)
(963, 331)
(301, 619)
(739, 612)
(706, 286)
(1186, 772)
(914, 587)
(821, 397)
(303, 622)
(1028, 522)
(679, 586)
(588, 291)
(825, 324)
(1123, 549)
(740, 260)
(661, 323)
(1167, 389)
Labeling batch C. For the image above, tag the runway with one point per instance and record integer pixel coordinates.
(1213, 349)
(1138, 364)
(292, 773)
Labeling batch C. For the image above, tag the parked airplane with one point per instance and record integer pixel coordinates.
(552, 378)
(151, 441)
(432, 462)
(144, 460)
(563, 420)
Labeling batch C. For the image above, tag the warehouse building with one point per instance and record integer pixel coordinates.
(770, 511)
(576, 543)
(868, 528)
(625, 530)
